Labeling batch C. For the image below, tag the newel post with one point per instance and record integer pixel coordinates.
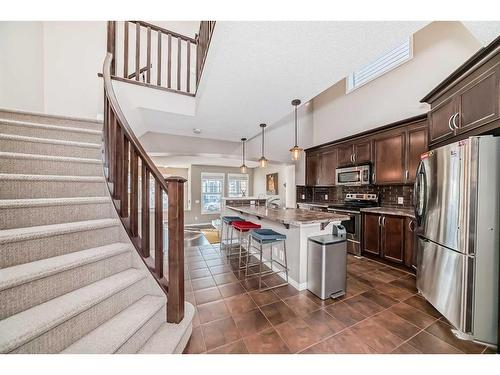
(175, 303)
(111, 44)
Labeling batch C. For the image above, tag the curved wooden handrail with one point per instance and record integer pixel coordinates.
(122, 153)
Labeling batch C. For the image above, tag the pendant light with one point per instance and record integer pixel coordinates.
(243, 168)
(262, 160)
(296, 150)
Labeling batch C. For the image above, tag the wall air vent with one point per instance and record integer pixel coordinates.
(385, 63)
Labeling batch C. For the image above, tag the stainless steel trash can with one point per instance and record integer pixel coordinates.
(327, 265)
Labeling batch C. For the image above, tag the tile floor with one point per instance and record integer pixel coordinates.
(381, 312)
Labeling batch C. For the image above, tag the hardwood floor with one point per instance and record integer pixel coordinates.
(381, 312)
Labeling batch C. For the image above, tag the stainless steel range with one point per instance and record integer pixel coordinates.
(351, 206)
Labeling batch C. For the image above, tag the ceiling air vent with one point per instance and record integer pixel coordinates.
(382, 65)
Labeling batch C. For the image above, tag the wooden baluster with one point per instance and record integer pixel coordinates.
(158, 230)
(112, 146)
(134, 192)
(188, 69)
(197, 37)
(118, 165)
(159, 60)
(137, 51)
(169, 62)
(175, 302)
(148, 56)
(179, 63)
(145, 211)
(124, 180)
(125, 49)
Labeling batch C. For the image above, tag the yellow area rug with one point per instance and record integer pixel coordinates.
(212, 235)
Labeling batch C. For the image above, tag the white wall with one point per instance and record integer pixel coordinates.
(439, 48)
(286, 182)
(21, 66)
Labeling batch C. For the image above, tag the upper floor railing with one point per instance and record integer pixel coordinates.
(129, 172)
(150, 55)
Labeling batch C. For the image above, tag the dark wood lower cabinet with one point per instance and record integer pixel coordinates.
(392, 230)
(386, 236)
(410, 256)
(371, 234)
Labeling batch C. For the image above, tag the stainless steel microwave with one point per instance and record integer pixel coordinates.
(353, 176)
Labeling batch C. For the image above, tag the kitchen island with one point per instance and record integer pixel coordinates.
(298, 225)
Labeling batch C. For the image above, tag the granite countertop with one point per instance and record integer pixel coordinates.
(400, 211)
(314, 204)
(294, 216)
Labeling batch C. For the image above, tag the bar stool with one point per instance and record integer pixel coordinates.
(267, 237)
(243, 227)
(227, 220)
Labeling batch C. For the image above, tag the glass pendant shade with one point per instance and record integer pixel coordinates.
(243, 168)
(262, 160)
(296, 151)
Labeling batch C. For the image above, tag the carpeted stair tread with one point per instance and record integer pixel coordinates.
(29, 324)
(69, 159)
(23, 273)
(49, 127)
(168, 337)
(46, 202)
(23, 138)
(29, 233)
(48, 177)
(110, 336)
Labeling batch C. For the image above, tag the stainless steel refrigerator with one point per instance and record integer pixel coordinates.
(457, 207)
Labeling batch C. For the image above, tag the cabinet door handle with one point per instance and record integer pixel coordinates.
(379, 218)
(354, 158)
(453, 120)
(383, 221)
(449, 122)
(407, 174)
(373, 177)
(410, 227)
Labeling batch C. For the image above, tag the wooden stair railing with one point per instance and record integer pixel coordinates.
(172, 51)
(124, 161)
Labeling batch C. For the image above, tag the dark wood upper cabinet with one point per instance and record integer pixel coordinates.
(389, 158)
(312, 169)
(393, 238)
(345, 152)
(416, 145)
(371, 233)
(363, 151)
(467, 102)
(440, 121)
(327, 165)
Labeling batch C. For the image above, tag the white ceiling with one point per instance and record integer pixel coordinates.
(254, 70)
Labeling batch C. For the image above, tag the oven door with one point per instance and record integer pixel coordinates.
(353, 176)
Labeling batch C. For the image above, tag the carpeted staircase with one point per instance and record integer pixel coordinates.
(70, 279)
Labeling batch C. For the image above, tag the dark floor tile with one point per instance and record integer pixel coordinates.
(199, 273)
(345, 342)
(240, 304)
(395, 292)
(412, 315)
(317, 300)
(216, 262)
(207, 295)
(365, 306)
(370, 280)
(405, 349)
(220, 332)
(203, 283)
(421, 304)
(212, 311)
(355, 286)
(429, 344)
(376, 336)
(490, 350)
(408, 283)
(285, 291)
(266, 342)
(395, 272)
(301, 305)
(220, 269)
(323, 323)
(197, 265)
(230, 290)
(344, 313)
(264, 298)
(383, 276)
(211, 256)
(396, 325)
(237, 347)
(273, 280)
(380, 298)
(189, 297)
(443, 331)
(278, 312)
(253, 284)
(225, 278)
(251, 322)
(196, 344)
(297, 334)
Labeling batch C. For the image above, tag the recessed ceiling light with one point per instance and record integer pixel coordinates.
(196, 131)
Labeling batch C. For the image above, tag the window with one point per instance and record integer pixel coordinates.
(382, 65)
(212, 188)
(237, 185)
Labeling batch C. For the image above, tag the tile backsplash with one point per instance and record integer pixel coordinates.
(388, 194)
